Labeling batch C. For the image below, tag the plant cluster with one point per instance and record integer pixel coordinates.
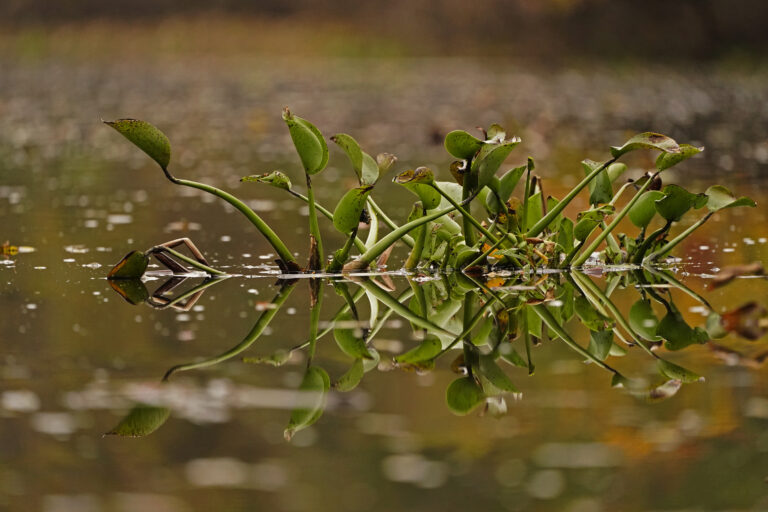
(474, 220)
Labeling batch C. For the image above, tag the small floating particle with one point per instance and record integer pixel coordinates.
(253, 291)
(92, 265)
(267, 256)
(31, 305)
(68, 260)
(91, 223)
(40, 268)
(703, 247)
(76, 249)
(225, 238)
(729, 249)
(762, 240)
(263, 306)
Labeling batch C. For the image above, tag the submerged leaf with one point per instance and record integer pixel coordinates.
(495, 375)
(730, 273)
(425, 351)
(132, 290)
(600, 343)
(643, 320)
(463, 395)
(647, 140)
(141, 421)
(146, 137)
(749, 321)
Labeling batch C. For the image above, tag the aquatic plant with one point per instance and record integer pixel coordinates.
(502, 231)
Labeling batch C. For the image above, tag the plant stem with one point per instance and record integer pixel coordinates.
(679, 238)
(468, 218)
(554, 212)
(640, 251)
(407, 240)
(420, 238)
(327, 214)
(466, 191)
(282, 251)
(314, 226)
(187, 259)
(597, 241)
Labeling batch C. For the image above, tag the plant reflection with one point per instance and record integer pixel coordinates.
(487, 326)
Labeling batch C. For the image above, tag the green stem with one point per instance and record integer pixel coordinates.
(256, 331)
(340, 256)
(469, 324)
(597, 241)
(373, 230)
(559, 207)
(190, 261)
(314, 322)
(282, 251)
(679, 238)
(468, 218)
(382, 245)
(420, 238)
(327, 214)
(485, 254)
(407, 240)
(314, 226)
(640, 251)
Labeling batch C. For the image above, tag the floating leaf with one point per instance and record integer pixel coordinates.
(141, 421)
(677, 201)
(309, 142)
(647, 140)
(462, 145)
(600, 189)
(275, 178)
(667, 160)
(132, 266)
(719, 197)
(420, 181)
(351, 378)
(642, 212)
(349, 342)
(463, 395)
(673, 371)
(643, 320)
(314, 385)
(346, 216)
(146, 137)
(679, 334)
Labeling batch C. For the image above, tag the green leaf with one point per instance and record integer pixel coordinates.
(509, 181)
(496, 133)
(643, 320)
(588, 220)
(132, 266)
(420, 181)
(647, 140)
(146, 137)
(679, 334)
(600, 343)
(615, 170)
(677, 201)
(370, 172)
(510, 355)
(565, 235)
(132, 290)
(590, 316)
(313, 388)
(644, 209)
(353, 151)
(534, 212)
(309, 142)
(351, 378)
(141, 421)
(462, 145)
(673, 371)
(275, 178)
(346, 216)
(495, 375)
(600, 189)
(719, 197)
(425, 351)
(349, 342)
(385, 161)
(463, 395)
(667, 160)
(490, 158)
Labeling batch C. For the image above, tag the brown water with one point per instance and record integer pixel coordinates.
(76, 356)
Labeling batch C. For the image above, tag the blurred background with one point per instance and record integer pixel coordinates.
(571, 77)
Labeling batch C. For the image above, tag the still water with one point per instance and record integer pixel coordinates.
(77, 357)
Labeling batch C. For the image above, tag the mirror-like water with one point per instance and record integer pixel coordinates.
(77, 357)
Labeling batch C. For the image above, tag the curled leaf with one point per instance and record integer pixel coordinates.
(667, 160)
(463, 395)
(309, 142)
(141, 421)
(421, 182)
(719, 197)
(346, 216)
(462, 145)
(275, 178)
(132, 266)
(313, 389)
(146, 137)
(647, 140)
(673, 371)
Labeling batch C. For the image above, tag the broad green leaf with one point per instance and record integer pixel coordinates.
(565, 235)
(351, 377)
(463, 395)
(426, 350)
(590, 316)
(647, 140)
(510, 355)
(588, 221)
(678, 334)
(552, 202)
(509, 181)
(600, 343)
(490, 158)
(644, 209)
(667, 160)
(462, 145)
(719, 197)
(309, 142)
(353, 151)
(346, 216)
(615, 170)
(132, 266)
(677, 201)
(534, 212)
(495, 375)
(275, 178)
(420, 181)
(313, 388)
(600, 189)
(141, 421)
(370, 172)
(349, 342)
(673, 371)
(643, 320)
(146, 137)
